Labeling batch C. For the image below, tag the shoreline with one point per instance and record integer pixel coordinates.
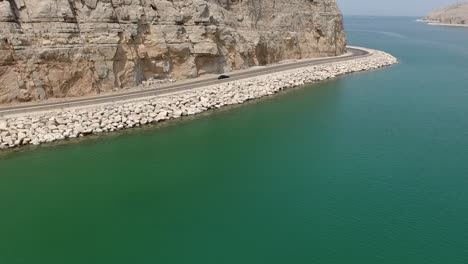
(39, 128)
(436, 23)
(446, 24)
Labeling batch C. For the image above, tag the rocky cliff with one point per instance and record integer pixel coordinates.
(453, 14)
(60, 48)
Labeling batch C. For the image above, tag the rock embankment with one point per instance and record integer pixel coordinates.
(49, 127)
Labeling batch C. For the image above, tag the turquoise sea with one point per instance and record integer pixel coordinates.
(367, 168)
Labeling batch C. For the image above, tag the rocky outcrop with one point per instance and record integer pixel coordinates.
(61, 48)
(454, 14)
(72, 123)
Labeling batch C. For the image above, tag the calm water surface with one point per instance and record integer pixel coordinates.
(368, 168)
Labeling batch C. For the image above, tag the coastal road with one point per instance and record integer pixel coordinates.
(25, 108)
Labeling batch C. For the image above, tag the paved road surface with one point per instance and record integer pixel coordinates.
(114, 97)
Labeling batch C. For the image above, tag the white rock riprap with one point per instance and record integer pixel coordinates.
(36, 129)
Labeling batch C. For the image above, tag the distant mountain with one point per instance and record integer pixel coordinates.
(453, 14)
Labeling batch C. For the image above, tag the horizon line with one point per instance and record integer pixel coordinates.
(383, 15)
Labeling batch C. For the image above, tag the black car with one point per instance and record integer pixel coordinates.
(223, 76)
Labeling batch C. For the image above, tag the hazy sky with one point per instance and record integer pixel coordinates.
(392, 7)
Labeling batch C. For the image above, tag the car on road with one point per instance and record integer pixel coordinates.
(223, 76)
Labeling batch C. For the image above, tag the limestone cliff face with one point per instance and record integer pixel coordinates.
(453, 14)
(60, 48)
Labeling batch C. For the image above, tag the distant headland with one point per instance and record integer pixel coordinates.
(452, 15)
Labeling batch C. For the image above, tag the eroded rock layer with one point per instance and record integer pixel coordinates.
(60, 48)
